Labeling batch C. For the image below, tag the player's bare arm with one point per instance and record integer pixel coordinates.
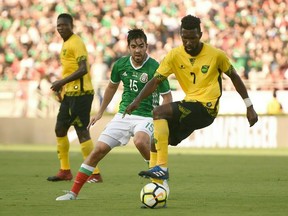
(167, 98)
(108, 95)
(241, 89)
(81, 71)
(149, 88)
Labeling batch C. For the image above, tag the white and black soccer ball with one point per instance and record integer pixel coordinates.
(153, 195)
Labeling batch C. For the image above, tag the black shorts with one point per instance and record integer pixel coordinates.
(75, 110)
(187, 117)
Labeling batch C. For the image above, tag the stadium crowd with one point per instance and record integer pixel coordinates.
(253, 32)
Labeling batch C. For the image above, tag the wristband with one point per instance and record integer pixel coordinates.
(247, 102)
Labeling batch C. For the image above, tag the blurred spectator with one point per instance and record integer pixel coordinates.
(274, 107)
(257, 31)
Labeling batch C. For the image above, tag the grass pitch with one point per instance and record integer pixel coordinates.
(202, 183)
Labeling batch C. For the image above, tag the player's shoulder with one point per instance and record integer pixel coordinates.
(75, 41)
(122, 60)
(76, 37)
(175, 52)
(152, 61)
(212, 49)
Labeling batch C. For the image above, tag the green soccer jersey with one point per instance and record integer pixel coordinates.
(134, 80)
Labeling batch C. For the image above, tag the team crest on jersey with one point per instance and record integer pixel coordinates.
(192, 61)
(205, 68)
(144, 77)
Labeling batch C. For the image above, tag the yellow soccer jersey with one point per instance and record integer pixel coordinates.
(199, 76)
(73, 51)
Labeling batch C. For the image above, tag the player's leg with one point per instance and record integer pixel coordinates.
(153, 163)
(61, 128)
(88, 166)
(86, 148)
(86, 169)
(80, 112)
(142, 128)
(142, 142)
(153, 154)
(160, 171)
(115, 134)
(161, 134)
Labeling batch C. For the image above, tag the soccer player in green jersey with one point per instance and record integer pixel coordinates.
(78, 96)
(198, 67)
(134, 71)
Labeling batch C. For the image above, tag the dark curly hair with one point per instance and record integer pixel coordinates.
(190, 22)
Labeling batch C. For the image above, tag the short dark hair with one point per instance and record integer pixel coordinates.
(190, 22)
(135, 34)
(66, 16)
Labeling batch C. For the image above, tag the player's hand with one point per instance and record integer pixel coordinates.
(130, 108)
(251, 116)
(94, 119)
(57, 86)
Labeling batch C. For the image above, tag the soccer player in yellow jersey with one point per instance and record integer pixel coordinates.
(78, 96)
(198, 67)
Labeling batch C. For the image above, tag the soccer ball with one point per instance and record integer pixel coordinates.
(153, 195)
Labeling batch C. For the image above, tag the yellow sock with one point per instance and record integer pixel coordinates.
(161, 134)
(153, 159)
(63, 152)
(86, 148)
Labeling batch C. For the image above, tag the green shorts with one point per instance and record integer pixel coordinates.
(187, 117)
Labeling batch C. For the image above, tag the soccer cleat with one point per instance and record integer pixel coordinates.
(68, 196)
(95, 178)
(155, 172)
(62, 175)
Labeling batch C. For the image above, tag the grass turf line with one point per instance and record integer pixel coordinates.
(201, 183)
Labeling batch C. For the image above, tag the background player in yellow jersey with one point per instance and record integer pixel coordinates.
(78, 96)
(198, 67)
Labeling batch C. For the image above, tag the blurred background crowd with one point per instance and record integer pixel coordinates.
(252, 32)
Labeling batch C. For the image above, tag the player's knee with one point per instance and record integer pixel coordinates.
(157, 113)
(162, 112)
(142, 143)
(83, 135)
(60, 132)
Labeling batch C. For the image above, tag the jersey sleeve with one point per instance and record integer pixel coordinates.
(164, 87)
(80, 51)
(165, 67)
(224, 63)
(115, 75)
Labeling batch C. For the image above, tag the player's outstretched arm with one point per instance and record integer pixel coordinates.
(149, 88)
(108, 95)
(241, 89)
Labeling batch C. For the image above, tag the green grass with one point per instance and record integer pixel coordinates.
(202, 182)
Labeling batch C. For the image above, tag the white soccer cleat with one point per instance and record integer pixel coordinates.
(68, 196)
